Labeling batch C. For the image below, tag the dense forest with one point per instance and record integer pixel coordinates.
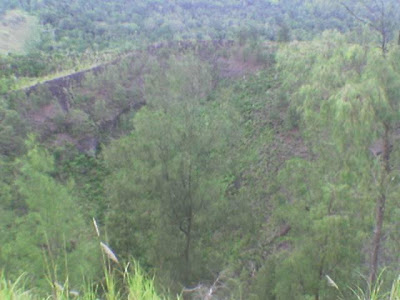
(238, 149)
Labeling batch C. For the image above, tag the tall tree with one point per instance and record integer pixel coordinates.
(47, 234)
(168, 177)
(347, 101)
(380, 15)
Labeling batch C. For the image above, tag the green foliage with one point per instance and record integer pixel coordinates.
(76, 28)
(47, 234)
(283, 34)
(255, 188)
(12, 132)
(345, 98)
(176, 162)
(88, 173)
(324, 232)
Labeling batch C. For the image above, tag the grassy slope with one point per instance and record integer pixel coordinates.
(86, 64)
(17, 29)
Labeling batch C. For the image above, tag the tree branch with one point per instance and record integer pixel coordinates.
(358, 18)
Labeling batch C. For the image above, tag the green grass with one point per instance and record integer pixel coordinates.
(14, 291)
(26, 82)
(136, 286)
(83, 64)
(375, 292)
(372, 292)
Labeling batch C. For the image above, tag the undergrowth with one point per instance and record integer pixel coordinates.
(136, 286)
(373, 292)
(119, 282)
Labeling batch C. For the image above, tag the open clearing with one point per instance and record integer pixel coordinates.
(17, 29)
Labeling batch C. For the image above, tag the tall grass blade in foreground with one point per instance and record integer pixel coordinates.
(13, 291)
(96, 227)
(110, 254)
(139, 286)
(373, 293)
(395, 292)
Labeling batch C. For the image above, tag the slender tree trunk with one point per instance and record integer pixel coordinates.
(189, 224)
(376, 242)
(380, 208)
(188, 243)
(321, 267)
(398, 40)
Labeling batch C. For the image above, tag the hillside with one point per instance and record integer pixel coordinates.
(201, 150)
(77, 115)
(61, 97)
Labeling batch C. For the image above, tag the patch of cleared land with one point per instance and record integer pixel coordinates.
(17, 28)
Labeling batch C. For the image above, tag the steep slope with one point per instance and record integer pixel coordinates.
(85, 108)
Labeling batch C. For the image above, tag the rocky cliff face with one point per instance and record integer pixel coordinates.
(85, 108)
